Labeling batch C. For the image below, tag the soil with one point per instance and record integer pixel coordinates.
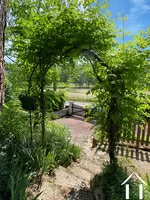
(73, 182)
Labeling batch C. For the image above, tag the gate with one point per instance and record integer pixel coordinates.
(78, 110)
(75, 109)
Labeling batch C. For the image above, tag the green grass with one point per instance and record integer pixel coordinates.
(80, 94)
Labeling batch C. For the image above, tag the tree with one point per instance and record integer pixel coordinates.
(2, 39)
(121, 90)
(56, 32)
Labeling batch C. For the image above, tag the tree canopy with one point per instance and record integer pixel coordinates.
(51, 32)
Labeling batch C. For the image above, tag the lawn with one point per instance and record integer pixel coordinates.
(79, 94)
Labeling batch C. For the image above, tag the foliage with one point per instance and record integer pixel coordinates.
(53, 100)
(53, 22)
(14, 124)
(4, 175)
(80, 73)
(50, 33)
(108, 184)
(18, 184)
(21, 162)
(148, 181)
(53, 77)
(83, 74)
(8, 90)
(122, 92)
(65, 151)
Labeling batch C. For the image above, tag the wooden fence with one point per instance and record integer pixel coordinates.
(140, 138)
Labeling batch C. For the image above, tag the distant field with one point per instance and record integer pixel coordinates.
(75, 93)
(79, 95)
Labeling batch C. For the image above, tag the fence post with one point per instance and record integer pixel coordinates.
(138, 138)
(70, 107)
(148, 134)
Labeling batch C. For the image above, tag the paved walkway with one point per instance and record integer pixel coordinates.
(79, 129)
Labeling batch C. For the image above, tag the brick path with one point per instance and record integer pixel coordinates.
(79, 129)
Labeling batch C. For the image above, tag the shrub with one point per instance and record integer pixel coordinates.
(108, 184)
(29, 102)
(4, 176)
(53, 100)
(14, 126)
(21, 161)
(57, 141)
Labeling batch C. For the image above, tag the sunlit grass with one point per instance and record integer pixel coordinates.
(80, 94)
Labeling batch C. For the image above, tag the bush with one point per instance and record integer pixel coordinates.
(14, 126)
(53, 100)
(108, 184)
(26, 159)
(57, 141)
(5, 171)
(29, 102)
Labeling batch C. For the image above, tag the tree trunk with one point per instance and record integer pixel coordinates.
(54, 86)
(112, 142)
(42, 108)
(2, 39)
(42, 104)
(112, 130)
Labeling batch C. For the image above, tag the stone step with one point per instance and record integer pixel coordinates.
(81, 173)
(82, 194)
(65, 178)
(49, 190)
(96, 157)
(92, 167)
(82, 144)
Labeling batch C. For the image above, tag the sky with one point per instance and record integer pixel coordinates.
(138, 12)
